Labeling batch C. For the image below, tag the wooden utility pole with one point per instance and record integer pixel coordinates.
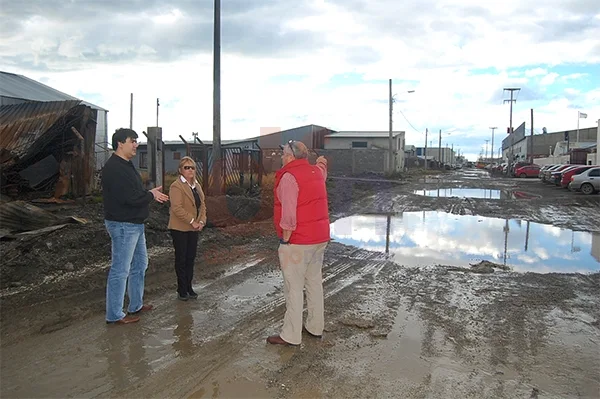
(391, 139)
(217, 184)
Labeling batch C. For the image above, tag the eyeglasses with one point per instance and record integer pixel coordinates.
(187, 167)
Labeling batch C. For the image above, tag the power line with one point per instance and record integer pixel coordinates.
(407, 121)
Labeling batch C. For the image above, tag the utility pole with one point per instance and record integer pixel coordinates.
(452, 155)
(157, 105)
(530, 144)
(391, 150)
(510, 129)
(486, 147)
(426, 131)
(440, 149)
(492, 149)
(131, 112)
(217, 184)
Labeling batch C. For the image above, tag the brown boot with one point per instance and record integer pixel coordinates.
(125, 320)
(277, 340)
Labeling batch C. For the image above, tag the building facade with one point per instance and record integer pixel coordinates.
(369, 140)
(444, 155)
(521, 146)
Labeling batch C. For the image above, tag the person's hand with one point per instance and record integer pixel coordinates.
(198, 226)
(158, 196)
(322, 159)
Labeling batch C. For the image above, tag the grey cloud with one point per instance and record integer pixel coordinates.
(555, 30)
(112, 31)
(410, 21)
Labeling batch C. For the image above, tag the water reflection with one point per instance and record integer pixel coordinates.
(475, 193)
(126, 355)
(183, 344)
(430, 237)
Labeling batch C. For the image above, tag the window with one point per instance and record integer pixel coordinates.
(594, 172)
(177, 155)
(359, 144)
(143, 160)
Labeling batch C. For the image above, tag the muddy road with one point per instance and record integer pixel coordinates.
(407, 315)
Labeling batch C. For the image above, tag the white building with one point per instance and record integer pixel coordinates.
(368, 140)
(17, 89)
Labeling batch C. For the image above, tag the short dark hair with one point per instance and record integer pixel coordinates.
(121, 136)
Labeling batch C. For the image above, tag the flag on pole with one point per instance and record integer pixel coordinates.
(582, 115)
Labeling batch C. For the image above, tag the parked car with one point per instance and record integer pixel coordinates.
(566, 176)
(516, 166)
(556, 177)
(528, 171)
(545, 169)
(548, 172)
(587, 182)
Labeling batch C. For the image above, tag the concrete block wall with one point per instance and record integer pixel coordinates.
(355, 161)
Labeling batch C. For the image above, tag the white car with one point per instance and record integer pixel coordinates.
(587, 182)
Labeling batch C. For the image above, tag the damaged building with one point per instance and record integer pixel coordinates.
(49, 144)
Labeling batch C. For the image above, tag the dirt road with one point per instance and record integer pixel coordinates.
(407, 316)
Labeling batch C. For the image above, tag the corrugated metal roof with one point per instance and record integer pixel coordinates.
(23, 124)
(364, 134)
(21, 87)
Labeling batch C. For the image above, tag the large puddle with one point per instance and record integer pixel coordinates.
(475, 193)
(431, 238)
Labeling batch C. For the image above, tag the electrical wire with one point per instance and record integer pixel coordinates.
(407, 121)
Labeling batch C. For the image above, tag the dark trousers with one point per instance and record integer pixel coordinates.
(185, 243)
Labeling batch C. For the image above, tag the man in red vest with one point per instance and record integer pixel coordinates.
(301, 218)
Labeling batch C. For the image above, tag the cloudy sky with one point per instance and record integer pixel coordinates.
(327, 62)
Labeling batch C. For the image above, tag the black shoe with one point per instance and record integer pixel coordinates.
(192, 295)
(182, 297)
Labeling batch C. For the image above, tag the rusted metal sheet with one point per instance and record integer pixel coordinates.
(32, 131)
(21, 216)
(21, 125)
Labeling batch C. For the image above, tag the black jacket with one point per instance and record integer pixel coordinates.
(125, 199)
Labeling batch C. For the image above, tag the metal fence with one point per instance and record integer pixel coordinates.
(240, 166)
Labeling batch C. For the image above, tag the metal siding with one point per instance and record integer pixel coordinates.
(23, 124)
(102, 146)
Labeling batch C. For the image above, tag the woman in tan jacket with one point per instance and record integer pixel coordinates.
(187, 217)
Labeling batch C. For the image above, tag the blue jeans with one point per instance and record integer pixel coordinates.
(128, 267)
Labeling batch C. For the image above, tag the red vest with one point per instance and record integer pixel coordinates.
(312, 213)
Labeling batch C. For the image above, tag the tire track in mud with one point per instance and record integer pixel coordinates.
(224, 346)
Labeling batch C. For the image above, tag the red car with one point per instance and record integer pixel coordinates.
(566, 177)
(528, 171)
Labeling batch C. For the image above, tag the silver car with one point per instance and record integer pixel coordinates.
(587, 182)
